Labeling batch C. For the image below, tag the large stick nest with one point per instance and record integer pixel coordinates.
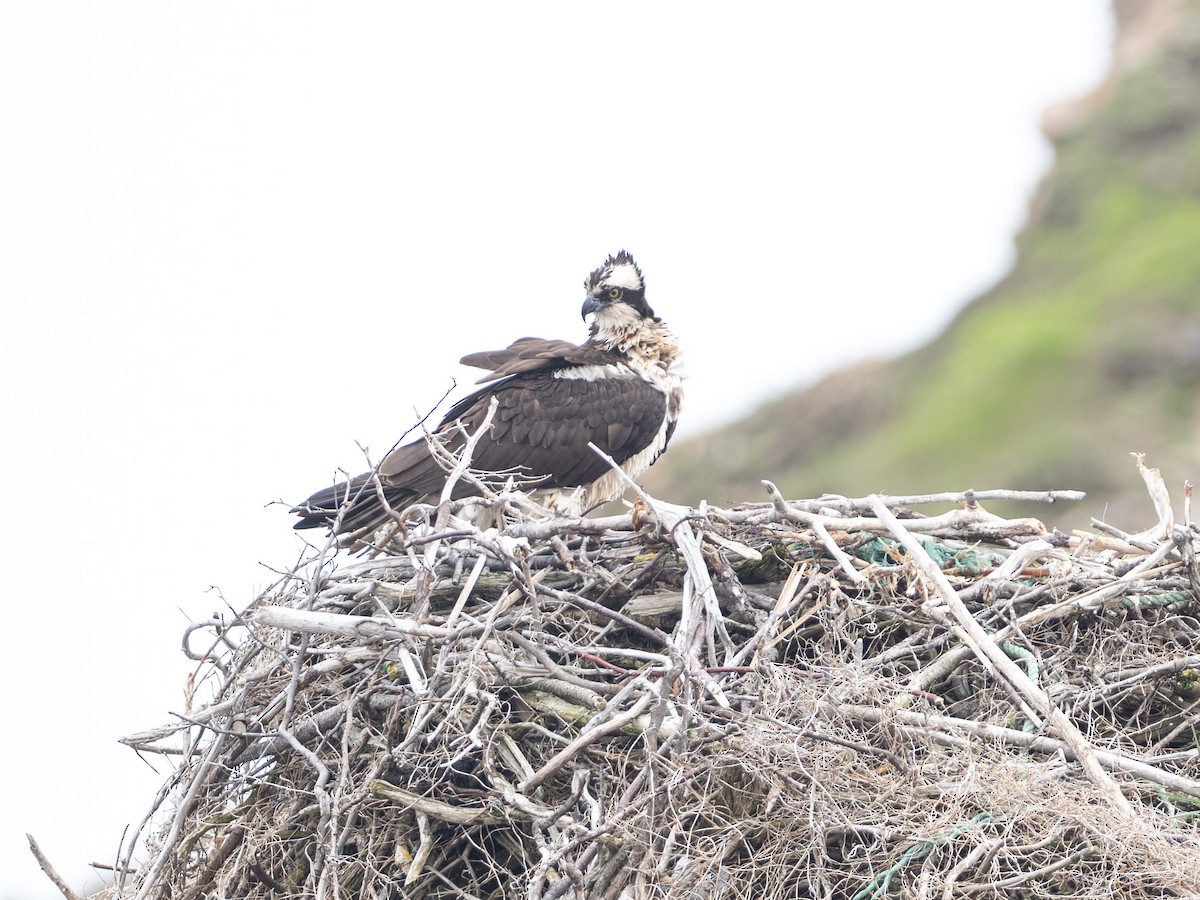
(834, 698)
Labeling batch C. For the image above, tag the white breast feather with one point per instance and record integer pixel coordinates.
(610, 485)
(596, 372)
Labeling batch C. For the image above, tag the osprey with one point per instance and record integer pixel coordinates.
(619, 389)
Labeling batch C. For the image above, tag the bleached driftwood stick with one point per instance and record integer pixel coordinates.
(363, 628)
(837, 553)
(53, 875)
(958, 523)
(1161, 499)
(973, 495)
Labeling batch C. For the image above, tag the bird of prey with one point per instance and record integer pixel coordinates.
(620, 390)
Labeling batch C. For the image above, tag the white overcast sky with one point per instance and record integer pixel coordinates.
(235, 238)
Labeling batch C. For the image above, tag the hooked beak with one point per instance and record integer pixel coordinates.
(592, 304)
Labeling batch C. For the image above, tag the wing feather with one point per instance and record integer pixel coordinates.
(529, 354)
(543, 424)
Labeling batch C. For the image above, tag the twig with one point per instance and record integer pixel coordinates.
(1161, 499)
(836, 552)
(1013, 881)
(59, 883)
(589, 735)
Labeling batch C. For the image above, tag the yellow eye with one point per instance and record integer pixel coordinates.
(614, 293)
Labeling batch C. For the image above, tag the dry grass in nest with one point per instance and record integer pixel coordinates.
(782, 700)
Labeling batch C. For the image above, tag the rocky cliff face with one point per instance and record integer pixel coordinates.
(1088, 349)
(1142, 28)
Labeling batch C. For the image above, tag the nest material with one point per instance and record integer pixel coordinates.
(782, 700)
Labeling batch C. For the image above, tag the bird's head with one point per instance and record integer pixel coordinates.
(615, 291)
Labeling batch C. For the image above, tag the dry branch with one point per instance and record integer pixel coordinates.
(51, 873)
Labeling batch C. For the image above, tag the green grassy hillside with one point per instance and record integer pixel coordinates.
(1088, 349)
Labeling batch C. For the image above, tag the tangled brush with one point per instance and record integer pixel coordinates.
(835, 698)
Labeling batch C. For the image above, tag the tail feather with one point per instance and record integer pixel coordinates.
(407, 475)
(357, 501)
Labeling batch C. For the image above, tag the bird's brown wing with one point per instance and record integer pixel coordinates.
(530, 354)
(543, 424)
